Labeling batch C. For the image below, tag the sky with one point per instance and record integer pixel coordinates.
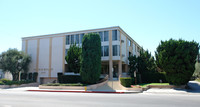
(146, 21)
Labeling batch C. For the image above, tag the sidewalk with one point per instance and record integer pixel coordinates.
(36, 89)
(193, 85)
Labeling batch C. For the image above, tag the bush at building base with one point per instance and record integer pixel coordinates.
(177, 59)
(126, 81)
(91, 58)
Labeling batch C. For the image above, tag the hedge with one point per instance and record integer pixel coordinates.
(153, 77)
(35, 75)
(24, 76)
(30, 76)
(69, 78)
(127, 81)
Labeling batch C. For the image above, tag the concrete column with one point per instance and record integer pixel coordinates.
(110, 56)
(120, 68)
(120, 54)
(50, 56)
(126, 68)
(64, 42)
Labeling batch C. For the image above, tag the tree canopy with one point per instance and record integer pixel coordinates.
(177, 58)
(91, 58)
(73, 58)
(14, 61)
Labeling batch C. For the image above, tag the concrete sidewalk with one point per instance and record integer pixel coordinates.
(36, 89)
(194, 89)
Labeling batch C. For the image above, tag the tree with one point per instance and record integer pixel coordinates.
(14, 61)
(145, 65)
(177, 59)
(73, 58)
(91, 58)
(133, 61)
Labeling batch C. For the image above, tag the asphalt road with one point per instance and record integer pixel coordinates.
(48, 99)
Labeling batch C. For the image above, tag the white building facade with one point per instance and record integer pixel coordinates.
(48, 52)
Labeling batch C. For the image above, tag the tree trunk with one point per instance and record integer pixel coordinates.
(15, 76)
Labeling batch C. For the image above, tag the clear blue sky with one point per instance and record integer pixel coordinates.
(146, 21)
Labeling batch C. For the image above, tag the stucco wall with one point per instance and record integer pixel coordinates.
(32, 51)
(57, 56)
(43, 65)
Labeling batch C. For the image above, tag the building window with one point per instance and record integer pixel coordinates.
(81, 37)
(101, 50)
(67, 40)
(106, 50)
(106, 35)
(129, 42)
(115, 50)
(101, 36)
(66, 50)
(72, 39)
(114, 35)
(77, 38)
(138, 49)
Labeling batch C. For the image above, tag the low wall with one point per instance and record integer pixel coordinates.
(74, 87)
(22, 85)
(166, 86)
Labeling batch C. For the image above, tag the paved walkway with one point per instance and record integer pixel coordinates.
(115, 87)
(194, 89)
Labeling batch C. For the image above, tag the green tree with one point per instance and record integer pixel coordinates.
(177, 59)
(133, 60)
(14, 61)
(73, 58)
(144, 64)
(91, 58)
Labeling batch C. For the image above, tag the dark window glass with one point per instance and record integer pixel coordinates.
(67, 40)
(114, 50)
(72, 39)
(101, 50)
(77, 38)
(81, 37)
(106, 50)
(114, 35)
(101, 36)
(106, 35)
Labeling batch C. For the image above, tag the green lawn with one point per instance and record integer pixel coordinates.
(146, 84)
(198, 79)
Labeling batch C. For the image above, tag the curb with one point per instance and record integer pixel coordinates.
(77, 91)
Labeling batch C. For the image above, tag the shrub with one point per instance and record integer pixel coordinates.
(69, 78)
(59, 74)
(30, 76)
(126, 81)
(73, 58)
(35, 75)
(1, 83)
(23, 76)
(91, 58)
(177, 59)
(5, 81)
(153, 77)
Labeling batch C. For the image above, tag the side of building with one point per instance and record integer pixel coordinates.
(48, 52)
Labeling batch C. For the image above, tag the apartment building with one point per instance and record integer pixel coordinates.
(48, 52)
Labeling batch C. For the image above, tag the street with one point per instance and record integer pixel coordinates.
(11, 98)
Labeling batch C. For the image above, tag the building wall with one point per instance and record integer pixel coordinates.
(32, 51)
(43, 65)
(123, 38)
(57, 56)
(47, 52)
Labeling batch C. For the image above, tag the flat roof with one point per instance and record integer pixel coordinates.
(80, 31)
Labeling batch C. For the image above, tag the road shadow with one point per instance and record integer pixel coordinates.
(193, 87)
